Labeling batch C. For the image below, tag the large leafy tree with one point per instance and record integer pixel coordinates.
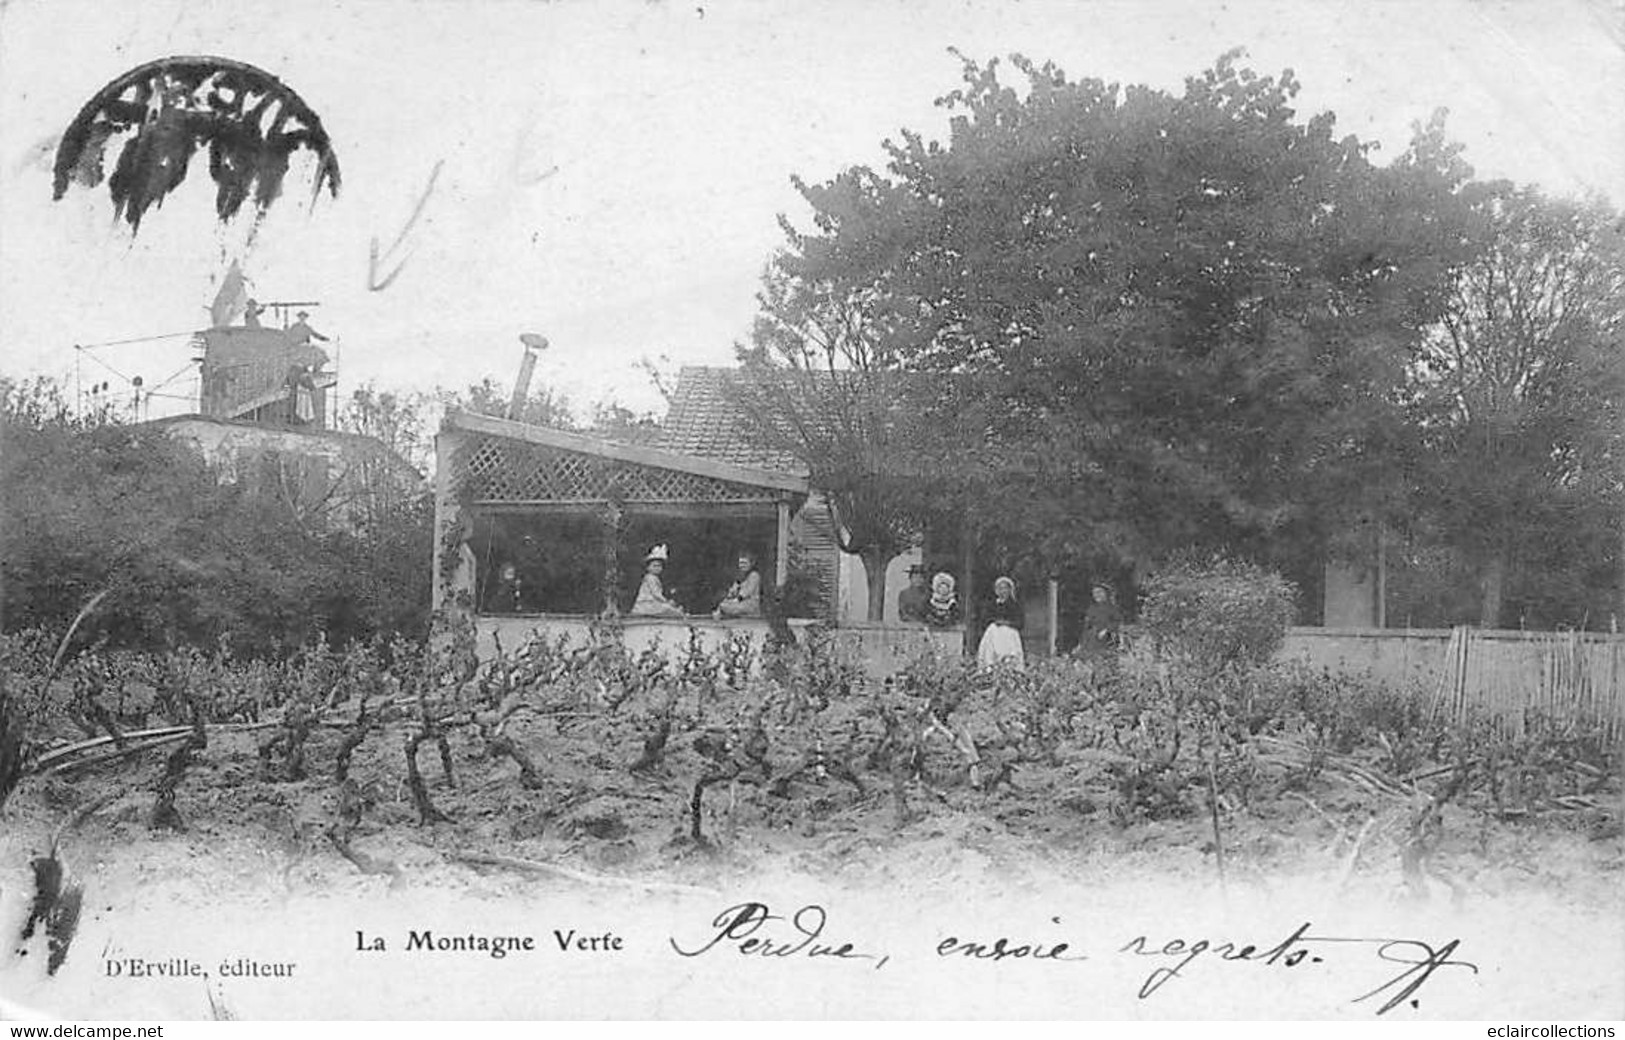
(1163, 319)
(820, 384)
(1521, 404)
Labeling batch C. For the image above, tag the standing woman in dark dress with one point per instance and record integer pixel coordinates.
(1001, 641)
(911, 602)
(1102, 624)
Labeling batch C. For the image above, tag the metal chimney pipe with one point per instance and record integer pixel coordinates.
(534, 344)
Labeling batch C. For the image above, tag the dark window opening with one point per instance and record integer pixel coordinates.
(530, 564)
(555, 563)
(702, 557)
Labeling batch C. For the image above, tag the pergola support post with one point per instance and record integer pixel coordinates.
(781, 547)
(453, 561)
(613, 519)
(967, 598)
(1054, 615)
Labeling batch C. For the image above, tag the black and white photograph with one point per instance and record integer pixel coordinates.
(753, 510)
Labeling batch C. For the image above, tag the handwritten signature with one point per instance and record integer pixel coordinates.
(1420, 959)
(751, 929)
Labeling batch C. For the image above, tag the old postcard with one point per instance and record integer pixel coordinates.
(766, 510)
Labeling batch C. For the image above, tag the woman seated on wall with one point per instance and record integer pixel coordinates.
(1001, 640)
(744, 596)
(652, 601)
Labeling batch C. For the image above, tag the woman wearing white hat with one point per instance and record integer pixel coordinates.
(652, 601)
(1001, 642)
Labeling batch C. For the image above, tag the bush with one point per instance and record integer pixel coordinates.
(1218, 614)
(180, 556)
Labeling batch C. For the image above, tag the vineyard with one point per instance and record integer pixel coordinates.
(677, 760)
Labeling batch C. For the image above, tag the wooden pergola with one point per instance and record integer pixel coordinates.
(490, 467)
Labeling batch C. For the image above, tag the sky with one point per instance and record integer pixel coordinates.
(611, 174)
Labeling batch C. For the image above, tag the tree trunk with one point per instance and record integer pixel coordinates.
(874, 570)
(1493, 583)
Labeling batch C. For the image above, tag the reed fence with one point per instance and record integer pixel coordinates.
(1558, 675)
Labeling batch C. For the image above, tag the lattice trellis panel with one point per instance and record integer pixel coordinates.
(499, 470)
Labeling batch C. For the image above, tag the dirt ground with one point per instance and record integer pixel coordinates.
(253, 883)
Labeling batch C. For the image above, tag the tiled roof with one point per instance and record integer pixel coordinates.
(703, 422)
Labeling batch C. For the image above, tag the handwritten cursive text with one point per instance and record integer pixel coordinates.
(738, 925)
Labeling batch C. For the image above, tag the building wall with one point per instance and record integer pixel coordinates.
(1350, 596)
(229, 445)
(877, 650)
(854, 586)
(1400, 654)
(1501, 673)
(306, 464)
(1404, 657)
(639, 634)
